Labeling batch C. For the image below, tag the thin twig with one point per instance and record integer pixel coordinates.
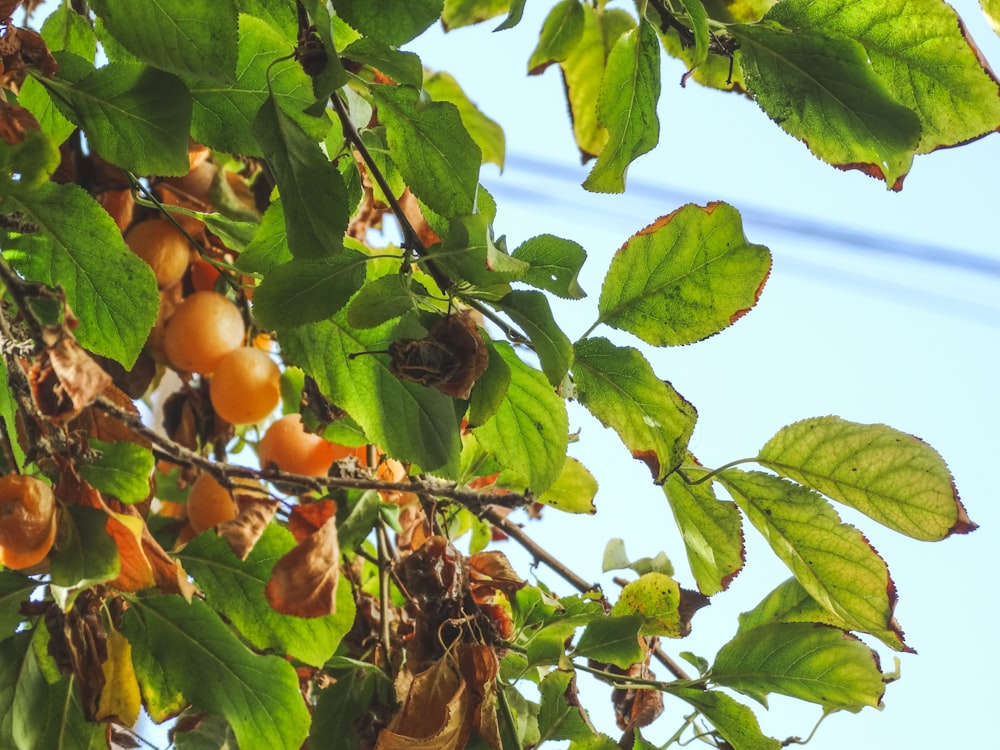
(539, 553)
(383, 592)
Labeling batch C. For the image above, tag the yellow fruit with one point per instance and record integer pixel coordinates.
(204, 328)
(287, 445)
(165, 249)
(245, 386)
(27, 521)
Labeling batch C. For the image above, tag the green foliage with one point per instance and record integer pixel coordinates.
(280, 138)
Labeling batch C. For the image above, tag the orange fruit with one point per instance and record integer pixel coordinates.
(165, 249)
(287, 445)
(209, 504)
(204, 328)
(27, 521)
(245, 386)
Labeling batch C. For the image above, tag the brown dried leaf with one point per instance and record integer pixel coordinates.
(493, 569)
(637, 708)
(15, 121)
(307, 519)
(451, 357)
(7, 8)
(242, 533)
(304, 581)
(479, 666)
(81, 379)
(437, 713)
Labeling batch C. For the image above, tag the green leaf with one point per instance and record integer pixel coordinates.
(615, 558)
(312, 191)
(66, 726)
(235, 588)
(789, 602)
(20, 685)
(211, 733)
(65, 29)
(79, 248)
(85, 554)
(269, 246)
(160, 696)
(29, 164)
(921, 51)
(385, 298)
(490, 389)
(467, 12)
(554, 265)
(223, 114)
(823, 91)
(432, 149)
(699, 274)
(409, 421)
(735, 722)
(530, 430)
(307, 291)
(892, 477)
(618, 386)
(712, 531)
(358, 523)
(176, 35)
(561, 717)
(402, 67)
(333, 75)
(258, 695)
(832, 560)
(531, 312)
(335, 719)
(469, 255)
(487, 134)
(613, 639)
(393, 22)
(626, 106)
(698, 20)
(583, 71)
(654, 598)
(573, 491)
(814, 663)
(34, 97)
(561, 32)
(135, 116)
(14, 589)
(991, 9)
(122, 470)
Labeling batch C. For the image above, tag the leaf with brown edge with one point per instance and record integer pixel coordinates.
(437, 713)
(242, 532)
(308, 518)
(304, 581)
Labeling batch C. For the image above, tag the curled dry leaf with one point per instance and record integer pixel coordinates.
(309, 518)
(67, 379)
(242, 532)
(15, 121)
(78, 644)
(451, 357)
(637, 708)
(304, 581)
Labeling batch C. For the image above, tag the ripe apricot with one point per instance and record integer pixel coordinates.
(245, 386)
(209, 504)
(27, 521)
(287, 445)
(165, 249)
(204, 328)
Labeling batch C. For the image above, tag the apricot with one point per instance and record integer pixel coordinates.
(166, 250)
(27, 521)
(209, 504)
(204, 328)
(287, 445)
(245, 386)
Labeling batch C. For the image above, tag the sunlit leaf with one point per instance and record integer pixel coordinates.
(698, 19)
(137, 117)
(832, 560)
(822, 90)
(789, 602)
(458, 13)
(487, 134)
(615, 558)
(385, 298)
(734, 721)
(531, 312)
(655, 598)
(991, 9)
(614, 639)
(561, 32)
(490, 389)
(35, 97)
(699, 274)
(258, 695)
(236, 588)
(583, 70)
(108, 287)
(175, 35)
(894, 478)
(65, 29)
(712, 530)
(312, 190)
(922, 53)
(432, 149)
(554, 264)
(410, 421)
(122, 470)
(626, 106)
(269, 247)
(530, 430)
(810, 662)
(573, 491)
(618, 386)
(402, 67)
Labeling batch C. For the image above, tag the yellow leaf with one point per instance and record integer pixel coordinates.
(120, 697)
